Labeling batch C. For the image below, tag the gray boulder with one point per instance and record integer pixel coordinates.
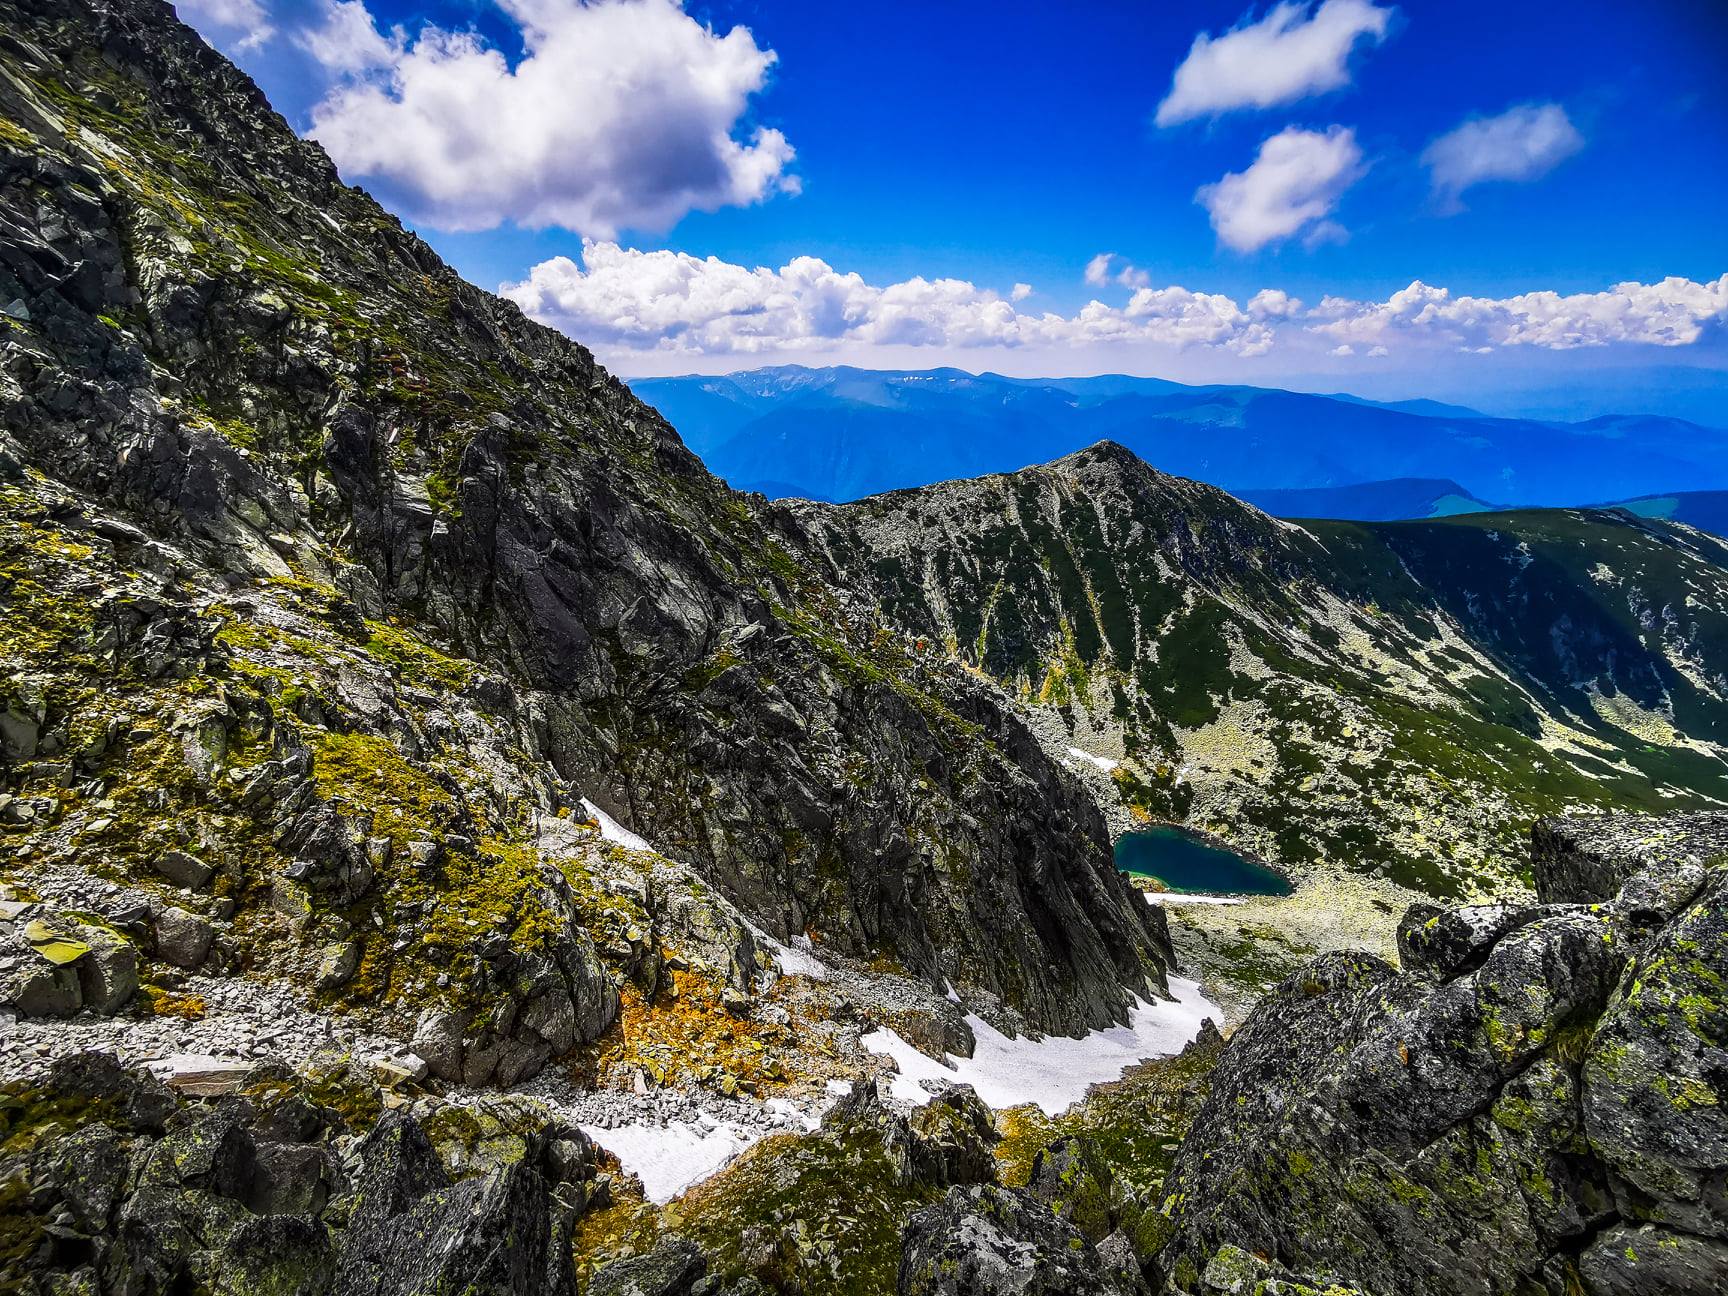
(989, 1241)
(182, 938)
(54, 965)
(672, 1268)
(1446, 943)
(183, 870)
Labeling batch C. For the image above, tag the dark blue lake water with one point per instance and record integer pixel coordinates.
(1183, 862)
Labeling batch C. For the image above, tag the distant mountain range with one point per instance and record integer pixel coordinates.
(1397, 500)
(1413, 498)
(1706, 510)
(842, 433)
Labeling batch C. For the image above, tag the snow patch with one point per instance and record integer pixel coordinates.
(796, 959)
(613, 831)
(1102, 762)
(669, 1158)
(1183, 897)
(1054, 1072)
(791, 1113)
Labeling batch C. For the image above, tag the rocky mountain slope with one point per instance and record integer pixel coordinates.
(332, 587)
(1403, 697)
(343, 616)
(1535, 1103)
(1532, 1104)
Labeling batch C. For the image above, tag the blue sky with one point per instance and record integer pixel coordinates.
(1485, 151)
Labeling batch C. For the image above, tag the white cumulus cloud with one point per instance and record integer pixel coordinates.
(1523, 143)
(627, 301)
(1288, 55)
(619, 114)
(672, 301)
(1672, 312)
(1274, 303)
(1291, 187)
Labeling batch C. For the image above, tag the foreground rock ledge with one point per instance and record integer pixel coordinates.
(1543, 1109)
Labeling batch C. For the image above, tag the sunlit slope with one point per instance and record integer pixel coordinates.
(1403, 697)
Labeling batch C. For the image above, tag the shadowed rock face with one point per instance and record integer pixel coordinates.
(1536, 1104)
(207, 329)
(272, 1190)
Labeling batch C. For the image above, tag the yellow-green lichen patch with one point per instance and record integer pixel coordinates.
(1135, 1123)
(417, 661)
(367, 775)
(754, 1219)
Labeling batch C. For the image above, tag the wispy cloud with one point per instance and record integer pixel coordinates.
(1523, 143)
(1103, 270)
(1289, 54)
(236, 25)
(1292, 187)
(345, 39)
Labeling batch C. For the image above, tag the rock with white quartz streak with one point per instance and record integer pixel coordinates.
(199, 1075)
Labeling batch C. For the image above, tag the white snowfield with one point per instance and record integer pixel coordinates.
(669, 1158)
(1102, 762)
(1054, 1072)
(1183, 897)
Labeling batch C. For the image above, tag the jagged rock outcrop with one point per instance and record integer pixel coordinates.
(1322, 692)
(113, 1182)
(817, 1213)
(229, 365)
(989, 1241)
(1535, 1104)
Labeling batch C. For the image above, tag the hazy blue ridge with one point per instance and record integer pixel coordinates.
(845, 433)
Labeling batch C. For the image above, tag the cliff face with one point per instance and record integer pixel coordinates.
(1403, 697)
(273, 391)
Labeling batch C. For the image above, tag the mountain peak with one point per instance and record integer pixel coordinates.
(1105, 452)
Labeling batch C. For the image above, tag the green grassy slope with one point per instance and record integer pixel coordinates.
(1398, 697)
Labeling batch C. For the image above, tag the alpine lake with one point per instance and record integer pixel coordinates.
(1185, 863)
